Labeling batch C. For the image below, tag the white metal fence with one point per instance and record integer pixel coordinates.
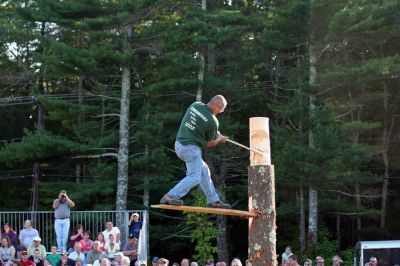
(92, 221)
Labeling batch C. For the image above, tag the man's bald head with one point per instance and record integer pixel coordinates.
(217, 104)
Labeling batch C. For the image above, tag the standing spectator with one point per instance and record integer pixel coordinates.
(86, 243)
(62, 212)
(135, 225)
(95, 254)
(65, 261)
(292, 260)
(111, 229)
(7, 251)
(8, 231)
(185, 262)
(100, 238)
(27, 234)
(77, 236)
(25, 261)
(53, 258)
(130, 249)
(36, 245)
(286, 254)
(111, 247)
(36, 258)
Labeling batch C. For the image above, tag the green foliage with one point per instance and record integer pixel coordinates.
(204, 231)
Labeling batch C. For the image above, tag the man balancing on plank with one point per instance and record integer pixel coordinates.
(199, 128)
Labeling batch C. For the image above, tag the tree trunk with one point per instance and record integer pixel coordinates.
(123, 152)
(302, 221)
(313, 194)
(385, 155)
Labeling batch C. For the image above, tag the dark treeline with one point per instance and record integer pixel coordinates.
(326, 73)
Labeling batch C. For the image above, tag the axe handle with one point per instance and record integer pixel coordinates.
(245, 147)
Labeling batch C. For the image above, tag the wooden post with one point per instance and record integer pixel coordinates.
(262, 229)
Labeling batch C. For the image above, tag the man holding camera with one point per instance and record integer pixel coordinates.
(62, 212)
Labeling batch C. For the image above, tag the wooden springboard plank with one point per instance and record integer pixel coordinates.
(207, 210)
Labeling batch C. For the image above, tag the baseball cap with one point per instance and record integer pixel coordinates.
(155, 259)
(136, 214)
(142, 262)
(131, 236)
(36, 238)
(24, 252)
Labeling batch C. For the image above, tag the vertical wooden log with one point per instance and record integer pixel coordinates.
(262, 229)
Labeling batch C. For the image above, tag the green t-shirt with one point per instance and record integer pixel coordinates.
(198, 125)
(53, 259)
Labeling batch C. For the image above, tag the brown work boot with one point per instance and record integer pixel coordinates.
(171, 200)
(219, 204)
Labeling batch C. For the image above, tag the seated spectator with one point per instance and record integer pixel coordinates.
(144, 263)
(135, 225)
(194, 263)
(130, 249)
(175, 264)
(308, 262)
(185, 262)
(292, 260)
(154, 261)
(373, 261)
(25, 261)
(77, 253)
(111, 247)
(65, 261)
(336, 261)
(37, 258)
(236, 262)
(76, 236)
(19, 249)
(105, 262)
(95, 253)
(118, 257)
(220, 263)
(126, 261)
(111, 229)
(36, 245)
(100, 238)
(210, 262)
(7, 251)
(163, 262)
(7, 231)
(27, 234)
(53, 258)
(78, 262)
(86, 243)
(320, 261)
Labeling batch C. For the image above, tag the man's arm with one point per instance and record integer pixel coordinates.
(213, 143)
(70, 202)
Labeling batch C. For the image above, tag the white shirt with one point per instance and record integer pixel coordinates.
(113, 231)
(74, 256)
(111, 252)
